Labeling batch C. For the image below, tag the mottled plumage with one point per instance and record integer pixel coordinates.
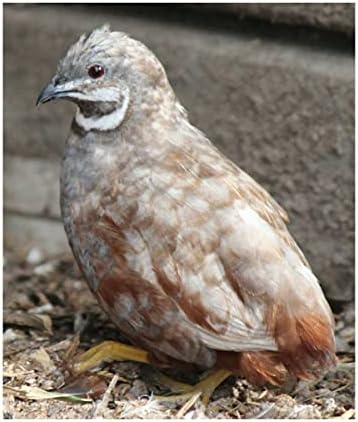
(187, 254)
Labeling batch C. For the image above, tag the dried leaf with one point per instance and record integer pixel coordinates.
(349, 414)
(86, 385)
(25, 319)
(42, 357)
(18, 301)
(35, 393)
(62, 345)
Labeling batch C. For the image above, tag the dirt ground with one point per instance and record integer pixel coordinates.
(50, 316)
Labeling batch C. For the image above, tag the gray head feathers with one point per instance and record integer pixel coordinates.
(114, 50)
(105, 72)
(93, 45)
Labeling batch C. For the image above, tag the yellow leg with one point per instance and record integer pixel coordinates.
(205, 387)
(111, 350)
(108, 351)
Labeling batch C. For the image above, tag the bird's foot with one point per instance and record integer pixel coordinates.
(114, 351)
(185, 392)
(106, 352)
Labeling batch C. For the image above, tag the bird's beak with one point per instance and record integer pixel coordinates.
(52, 92)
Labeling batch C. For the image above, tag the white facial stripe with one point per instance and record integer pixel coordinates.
(99, 94)
(107, 121)
(78, 96)
(69, 86)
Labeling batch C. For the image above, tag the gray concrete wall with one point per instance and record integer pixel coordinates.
(332, 16)
(284, 111)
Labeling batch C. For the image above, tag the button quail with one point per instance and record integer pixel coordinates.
(186, 253)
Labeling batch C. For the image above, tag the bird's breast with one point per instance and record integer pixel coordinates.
(99, 181)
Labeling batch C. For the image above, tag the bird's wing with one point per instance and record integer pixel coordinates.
(230, 257)
(179, 273)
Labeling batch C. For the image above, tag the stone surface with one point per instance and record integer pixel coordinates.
(283, 112)
(38, 193)
(333, 16)
(24, 233)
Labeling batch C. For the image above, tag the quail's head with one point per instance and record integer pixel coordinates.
(106, 72)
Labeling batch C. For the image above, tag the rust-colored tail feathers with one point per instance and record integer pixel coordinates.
(306, 348)
(306, 343)
(257, 367)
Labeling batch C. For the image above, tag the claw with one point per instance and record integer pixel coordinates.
(204, 388)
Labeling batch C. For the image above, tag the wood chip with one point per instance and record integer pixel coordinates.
(100, 409)
(75, 342)
(184, 409)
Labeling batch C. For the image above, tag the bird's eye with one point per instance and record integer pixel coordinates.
(96, 71)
